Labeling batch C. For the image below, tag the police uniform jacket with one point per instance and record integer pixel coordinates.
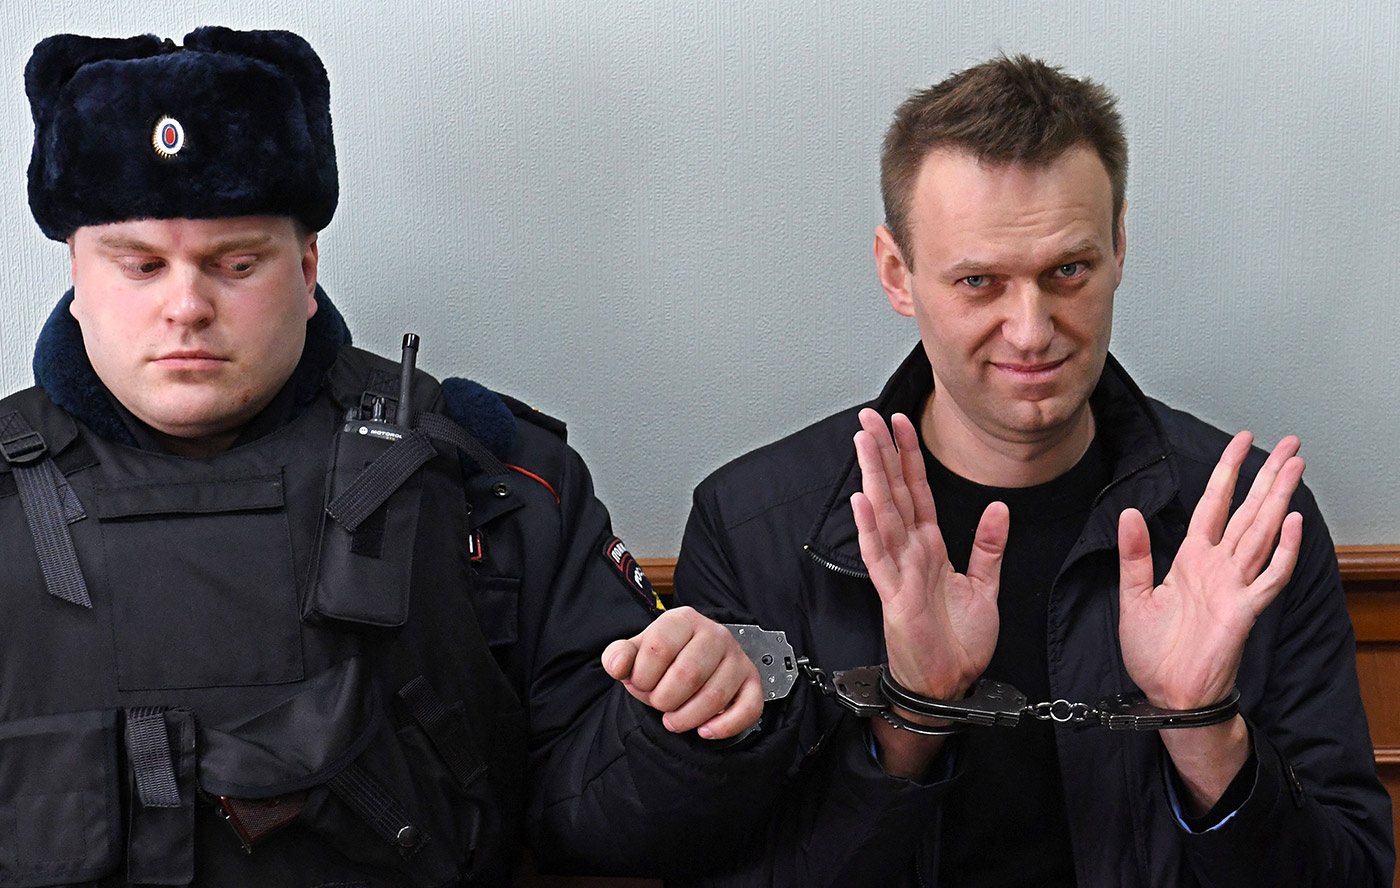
(207, 656)
(772, 539)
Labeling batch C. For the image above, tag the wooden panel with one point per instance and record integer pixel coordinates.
(1369, 563)
(1371, 578)
(662, 573)
(1375, 612)
(1378, 668)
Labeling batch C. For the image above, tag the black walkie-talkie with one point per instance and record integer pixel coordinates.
(362, 571)
(371, 417)
(404, 413)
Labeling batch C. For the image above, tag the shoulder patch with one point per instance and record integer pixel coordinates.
(633, 577)
(535, 416)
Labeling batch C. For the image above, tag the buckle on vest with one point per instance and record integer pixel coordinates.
(23, 449)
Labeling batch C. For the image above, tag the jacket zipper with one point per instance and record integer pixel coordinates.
(1124, 477)
(919, 877)
(835, 568)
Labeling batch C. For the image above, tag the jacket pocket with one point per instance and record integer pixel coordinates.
(60, 816)
(496, 601)
(201, 582)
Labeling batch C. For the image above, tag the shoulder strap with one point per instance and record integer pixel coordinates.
(49, 506)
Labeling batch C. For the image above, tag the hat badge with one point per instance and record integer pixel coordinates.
(168, 137)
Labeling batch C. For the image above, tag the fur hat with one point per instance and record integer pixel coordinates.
(234, 123)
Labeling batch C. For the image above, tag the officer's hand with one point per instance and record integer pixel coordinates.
(1182, 641)
(940, 626)
(692, 670)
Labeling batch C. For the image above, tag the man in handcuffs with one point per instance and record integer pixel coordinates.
(1087, 542)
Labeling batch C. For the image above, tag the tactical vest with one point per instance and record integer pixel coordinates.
(241, 651)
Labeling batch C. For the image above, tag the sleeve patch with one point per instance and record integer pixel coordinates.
(633, 577)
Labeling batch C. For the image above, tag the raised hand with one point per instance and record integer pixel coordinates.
(1182, 641)
(692, 670)
(940, 625)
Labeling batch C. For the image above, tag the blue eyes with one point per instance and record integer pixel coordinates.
(1060, 272)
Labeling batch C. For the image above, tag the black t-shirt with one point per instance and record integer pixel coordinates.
(1004, 822)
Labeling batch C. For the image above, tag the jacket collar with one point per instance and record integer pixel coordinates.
(1132, 436)
(62, 369)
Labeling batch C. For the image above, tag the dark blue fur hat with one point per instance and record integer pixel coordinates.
(233, 123)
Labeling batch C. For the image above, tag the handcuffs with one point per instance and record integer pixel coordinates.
(870, 691)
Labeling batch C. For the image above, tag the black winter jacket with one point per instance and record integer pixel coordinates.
(772, 540)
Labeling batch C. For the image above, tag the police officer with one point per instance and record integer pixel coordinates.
(273, 603)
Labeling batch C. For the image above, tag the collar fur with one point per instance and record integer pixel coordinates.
(62, 369)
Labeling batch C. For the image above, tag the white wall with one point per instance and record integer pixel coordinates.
(653, 219)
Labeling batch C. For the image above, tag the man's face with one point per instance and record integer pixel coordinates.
(194, 324)
(1014, 269)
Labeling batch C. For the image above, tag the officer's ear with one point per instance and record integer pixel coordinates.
(894, 272)
(310, 261)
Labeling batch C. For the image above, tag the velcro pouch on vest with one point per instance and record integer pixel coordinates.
(406, 791)
(296, 744)
(364, 556)
(160, 752)
(420, 799)
(60, 816)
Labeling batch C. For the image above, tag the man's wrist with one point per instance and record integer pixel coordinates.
(938, 689)
(1207, 760)
(903, 753)
(923, 720)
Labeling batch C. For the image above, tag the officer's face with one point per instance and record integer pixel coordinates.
(194, 324)
(1012, 287)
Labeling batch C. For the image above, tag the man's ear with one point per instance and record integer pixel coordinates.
(1120, 251)
(894, 272)
(310, 260)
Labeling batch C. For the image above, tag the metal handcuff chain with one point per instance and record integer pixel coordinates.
(871, 692)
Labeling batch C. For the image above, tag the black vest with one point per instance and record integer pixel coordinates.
(241, 644)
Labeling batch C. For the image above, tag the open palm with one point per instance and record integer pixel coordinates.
(1182, 640)
(940, 626)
